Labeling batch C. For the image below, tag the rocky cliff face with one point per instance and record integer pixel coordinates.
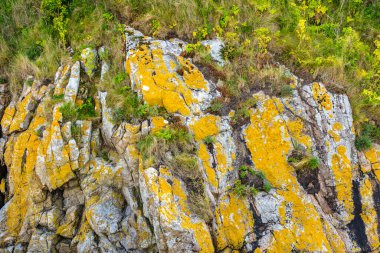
(62, 195)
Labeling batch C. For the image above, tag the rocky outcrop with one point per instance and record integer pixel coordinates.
(84, 186)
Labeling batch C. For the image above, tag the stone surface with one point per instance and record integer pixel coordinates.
(82, 186)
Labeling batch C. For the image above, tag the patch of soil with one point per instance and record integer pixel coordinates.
(308, 178)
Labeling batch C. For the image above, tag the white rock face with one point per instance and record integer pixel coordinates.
(73, 85)
(216, 46)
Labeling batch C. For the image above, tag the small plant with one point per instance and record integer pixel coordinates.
(58, 98)
(216, 105)
(286, 91)
(69, 112)
(239, 189)
(313, 163)
(267, 187)
(250, 182)
(209, 140)
(34, 51)
(75, 132)
(242, 113)
(372, 131)
(87, 109)
(369, 133)
(229, 52)
(363, 142)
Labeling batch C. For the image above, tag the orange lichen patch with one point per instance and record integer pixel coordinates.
(56, 162)
(2, 185)
(234, 222)
(205, 126)
(295, 129)
(342, 171)
(267, 138)
(206, 161)
(22, 159)
(173, 102)
(369, 213)
(21, 113)
(321, 96)
(336, 243)
(221, 159)
(334, 132)
(334, 135)
(158, 123)
(373, 157)
(9, 113)
(173, 207)
(160, 84)
(193, 77)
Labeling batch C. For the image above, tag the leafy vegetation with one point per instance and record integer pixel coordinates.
(250, 182)
(369, 133)
(337, 42)
(72, 112)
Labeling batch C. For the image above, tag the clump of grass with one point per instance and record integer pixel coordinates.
(58, 98)
(250, 182)
(304, 162)
(71, 112)
(242, 113)
(369, 133)
(216, 105)
(174, 147)
(286, 91)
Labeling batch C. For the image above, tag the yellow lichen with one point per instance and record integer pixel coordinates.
(342, 171)
(234, 221)
(160, 84)
(321, 96)
(268, 140)
(205, 126)
(205, 158)
(369, 213)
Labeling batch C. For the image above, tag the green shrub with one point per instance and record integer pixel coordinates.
(87, 109)
(34, 51)
(69, 112)
(363, 143)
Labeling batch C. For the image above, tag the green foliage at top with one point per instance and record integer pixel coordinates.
(369, 133)
(336, 42)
